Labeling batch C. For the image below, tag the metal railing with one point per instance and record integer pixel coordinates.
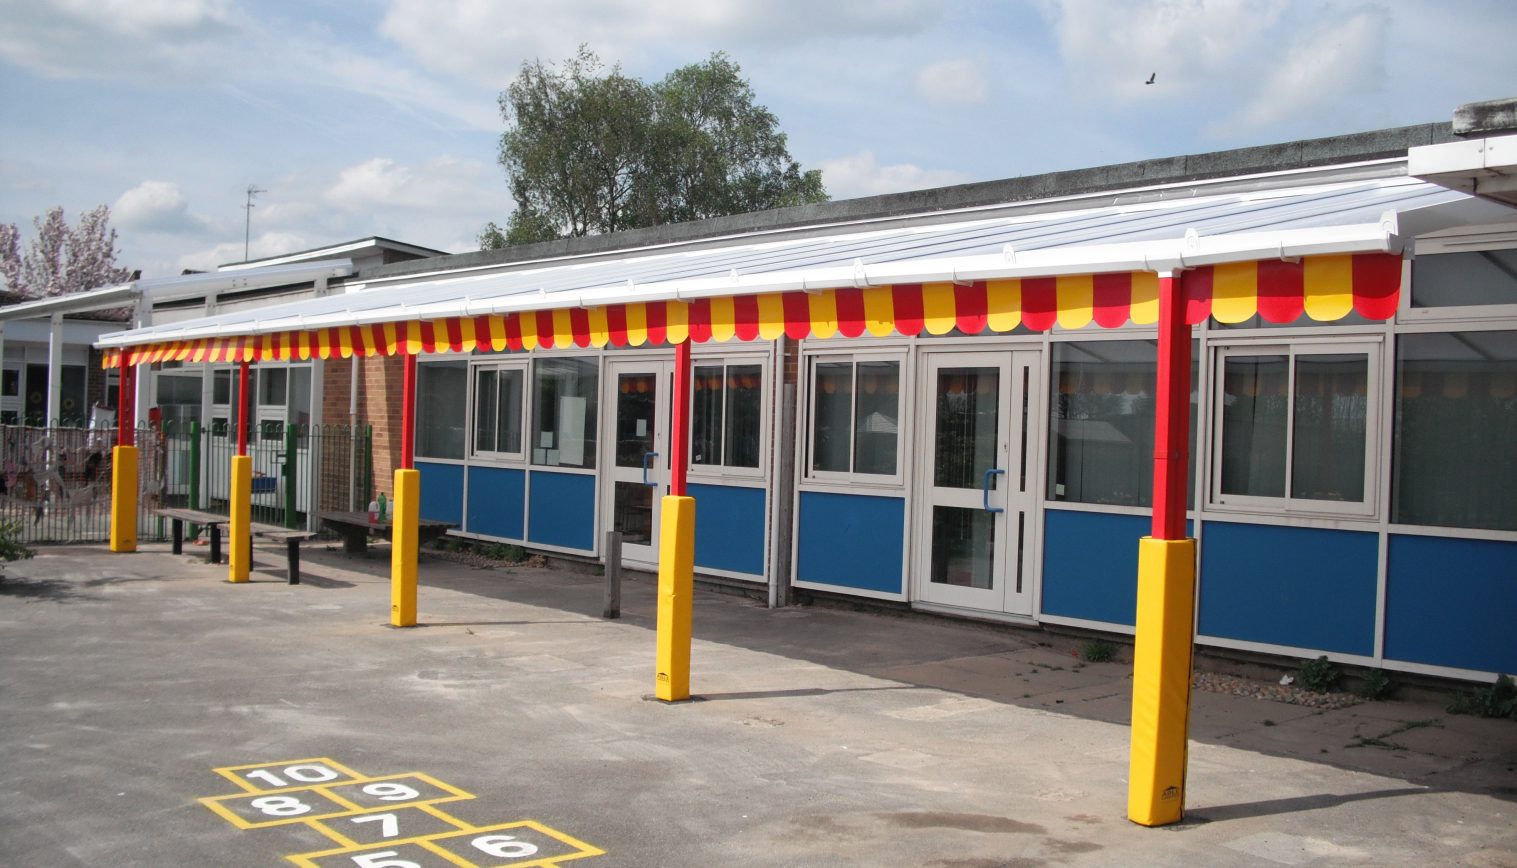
(55, 482)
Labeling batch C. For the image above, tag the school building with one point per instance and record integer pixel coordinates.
(946, 399)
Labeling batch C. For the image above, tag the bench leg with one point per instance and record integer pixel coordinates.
(215, 556)
(294, 547)
(177, 535)
(355, 543)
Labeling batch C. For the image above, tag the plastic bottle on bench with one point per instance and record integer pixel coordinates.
(373, 511)
(382, 506)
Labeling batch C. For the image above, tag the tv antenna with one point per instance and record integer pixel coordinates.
(247, 225)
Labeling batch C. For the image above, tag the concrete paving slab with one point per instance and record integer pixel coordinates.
(824, 737)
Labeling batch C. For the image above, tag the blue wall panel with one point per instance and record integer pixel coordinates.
(1090, 565)
(1296, 586)
(562, 510)
(729, 528)
(497, 501)
(851, 540)
(1450, 602)
(442, 491)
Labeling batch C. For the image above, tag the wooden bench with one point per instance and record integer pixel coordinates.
(355, 529)
(289, 536)
(209, 520)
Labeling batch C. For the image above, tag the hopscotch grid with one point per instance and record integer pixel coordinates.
(426, 842)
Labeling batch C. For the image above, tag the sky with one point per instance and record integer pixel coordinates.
(380, 117)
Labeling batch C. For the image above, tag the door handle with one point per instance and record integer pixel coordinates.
(985, 488)
(646, 457)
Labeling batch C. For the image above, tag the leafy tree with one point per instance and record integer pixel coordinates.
(62, 258)
(590, 151)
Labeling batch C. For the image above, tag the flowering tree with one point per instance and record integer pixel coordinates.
(62, 258)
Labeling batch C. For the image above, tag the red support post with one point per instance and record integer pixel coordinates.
(243, 404)
(408, 413)
(126, 406)
(1171, 412)
(679, 444)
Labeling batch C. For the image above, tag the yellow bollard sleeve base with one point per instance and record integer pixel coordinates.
(403, 548)
(676, 586)
(1161, 680)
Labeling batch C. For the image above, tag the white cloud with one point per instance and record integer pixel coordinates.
(486, 41)
(861, 175)
(953, 81)
(85, 38)
(441, 184)
(155, 206)
(1341, 59)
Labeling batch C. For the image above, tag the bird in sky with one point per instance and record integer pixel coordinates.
(1151, 78)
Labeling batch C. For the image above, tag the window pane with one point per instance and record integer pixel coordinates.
(636, 418)
(1455, 279)
(745, 387)
(877, 417)
(441, 395)
(563, 412)
(1254, 412)
(1456, 422)
(831, 411)
(508, 412)
(963, 545)
(1101, 432)
(968, 415)
(486, 396)
(271, 383)
(706, 427)
(300, 395)
(221, 387)
(1327, 437)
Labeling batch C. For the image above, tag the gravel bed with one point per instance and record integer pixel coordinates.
(480, 562)
(1290, 694)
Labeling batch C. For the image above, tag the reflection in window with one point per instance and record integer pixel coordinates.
(726, 402)
(441, 395)
(1101, 432)
(1328, 429)
(1303, 436)
(855, 416)
(563, 412)
(1254, 414)
(497, 410)
(1477, 277)
(1455, 463)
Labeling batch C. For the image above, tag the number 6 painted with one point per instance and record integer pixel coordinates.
(503, 846)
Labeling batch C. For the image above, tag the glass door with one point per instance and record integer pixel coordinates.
(639, 467)
(977, 507)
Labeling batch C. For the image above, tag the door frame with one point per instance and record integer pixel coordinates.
(1030, 358)
(662, 365)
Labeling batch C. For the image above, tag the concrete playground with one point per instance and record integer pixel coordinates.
(155, 715)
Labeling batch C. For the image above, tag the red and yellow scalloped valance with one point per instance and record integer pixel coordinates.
(1324, 288)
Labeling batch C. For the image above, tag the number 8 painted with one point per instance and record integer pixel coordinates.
(281, 806)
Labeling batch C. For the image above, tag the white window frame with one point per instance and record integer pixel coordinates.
(807, 431)
(724, 471)
(1467, 240)
(472, 451)
(529, 410)
(1373, 348)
